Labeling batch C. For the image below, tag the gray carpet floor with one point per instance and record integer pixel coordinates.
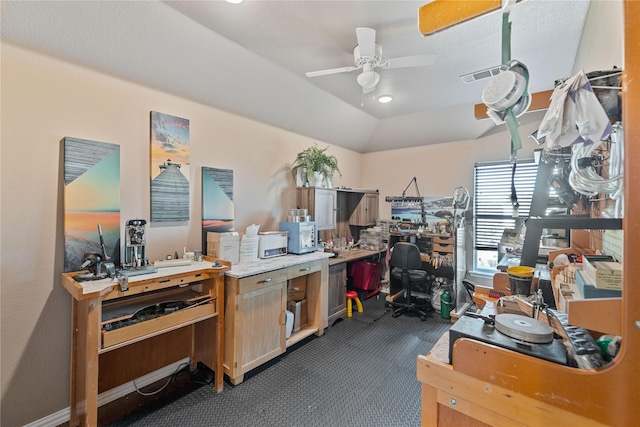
(361, 372)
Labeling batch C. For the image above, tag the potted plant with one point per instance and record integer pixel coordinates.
(315, 167)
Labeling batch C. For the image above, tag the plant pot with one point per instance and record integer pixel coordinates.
(317, 180)
(301, 178)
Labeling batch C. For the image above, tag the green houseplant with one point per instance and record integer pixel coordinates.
(314, 161)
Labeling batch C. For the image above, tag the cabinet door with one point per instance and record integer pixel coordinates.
(261, 328)
(337, 289)
(322, 205)
(325, 209)
(365, 212)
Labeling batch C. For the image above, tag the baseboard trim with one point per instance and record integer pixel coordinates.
(63, 415)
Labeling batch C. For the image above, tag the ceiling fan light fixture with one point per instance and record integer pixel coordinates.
(384, 99)
(368, 79)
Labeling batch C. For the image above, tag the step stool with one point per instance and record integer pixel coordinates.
(351, 296)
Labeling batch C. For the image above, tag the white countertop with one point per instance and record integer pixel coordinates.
(269, 264)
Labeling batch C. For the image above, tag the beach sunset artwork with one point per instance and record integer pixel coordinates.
(170, 168)
(217, 201)
(91, 198)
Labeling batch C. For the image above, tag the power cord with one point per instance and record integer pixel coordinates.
(172, 376)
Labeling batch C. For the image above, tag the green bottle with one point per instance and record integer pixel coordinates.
(445, 305)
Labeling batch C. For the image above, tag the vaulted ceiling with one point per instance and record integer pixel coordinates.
(251, 59)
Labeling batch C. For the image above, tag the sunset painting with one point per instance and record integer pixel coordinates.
(91, 198)
(170, 167)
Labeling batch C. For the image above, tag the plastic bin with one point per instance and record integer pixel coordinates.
(365, 276)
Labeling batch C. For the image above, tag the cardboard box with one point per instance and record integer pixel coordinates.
(299, 310)
(589, 290)
(297, 289)
(224, 246)
(605, 274)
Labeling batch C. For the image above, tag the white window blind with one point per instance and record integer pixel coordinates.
(493, 211)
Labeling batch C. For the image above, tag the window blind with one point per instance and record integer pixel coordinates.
(493, 211)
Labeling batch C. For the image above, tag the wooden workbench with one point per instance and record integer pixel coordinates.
(105, 357)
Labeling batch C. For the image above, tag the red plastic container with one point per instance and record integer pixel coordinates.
(366, 275)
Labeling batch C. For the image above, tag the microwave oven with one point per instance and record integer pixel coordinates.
(302, 236)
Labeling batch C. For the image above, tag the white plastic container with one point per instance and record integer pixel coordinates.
(289, 323)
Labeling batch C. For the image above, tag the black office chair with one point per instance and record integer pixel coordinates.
(406, 266)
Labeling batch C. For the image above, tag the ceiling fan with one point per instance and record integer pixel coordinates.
(367, 57)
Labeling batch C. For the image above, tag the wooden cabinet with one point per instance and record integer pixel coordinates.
(108, 350)
(365, 212)
(321, 204)
(337, 292)
(255, 304)
(254, 323)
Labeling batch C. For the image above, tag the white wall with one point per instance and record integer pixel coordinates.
(44, 100)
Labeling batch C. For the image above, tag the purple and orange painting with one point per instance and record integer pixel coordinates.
(91, 198)
(170, 152)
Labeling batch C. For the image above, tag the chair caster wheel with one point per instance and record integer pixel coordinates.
(394, 315)
(423, 318)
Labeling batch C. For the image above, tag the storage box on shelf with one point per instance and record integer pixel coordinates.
(598, 314)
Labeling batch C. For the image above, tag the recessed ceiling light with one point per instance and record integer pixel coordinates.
(234, 1)
(385, 98)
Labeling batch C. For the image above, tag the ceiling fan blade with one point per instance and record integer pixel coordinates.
(410, 61)
(330, 71)
(366, 41)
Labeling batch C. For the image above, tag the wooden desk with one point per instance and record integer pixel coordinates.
(103, 358)
(338, 279)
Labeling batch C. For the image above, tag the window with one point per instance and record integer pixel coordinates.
(493, 211)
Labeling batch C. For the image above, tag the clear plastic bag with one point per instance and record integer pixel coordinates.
(575, 115)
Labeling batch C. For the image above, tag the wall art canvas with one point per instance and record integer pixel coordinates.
(91, 198)
(435, 209)
(217, 202)
(170, 152)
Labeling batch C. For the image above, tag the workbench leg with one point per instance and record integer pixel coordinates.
(429, 411)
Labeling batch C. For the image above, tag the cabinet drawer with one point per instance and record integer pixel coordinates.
(437, 247)
(302, 269)
(152, 327)
(443, 240)
(251, 283)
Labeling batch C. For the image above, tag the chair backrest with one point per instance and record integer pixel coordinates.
(406, 256)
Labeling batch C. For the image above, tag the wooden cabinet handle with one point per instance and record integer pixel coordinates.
(265, 281)
(305, 269)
